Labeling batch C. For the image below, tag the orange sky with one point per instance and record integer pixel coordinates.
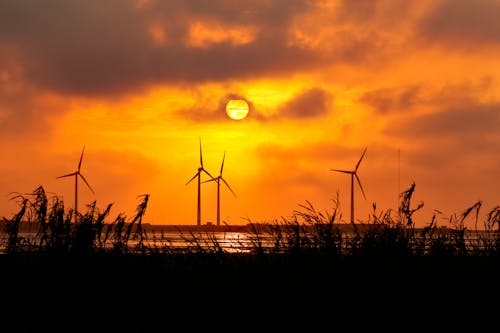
(140, 82)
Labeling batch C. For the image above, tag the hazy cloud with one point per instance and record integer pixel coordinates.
(360, 10)
(470, 122)
(309, 103)
(402, 99)
(388, 100)
(467, 23)
(23, 114)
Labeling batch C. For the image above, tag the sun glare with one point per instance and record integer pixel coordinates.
(237, 109)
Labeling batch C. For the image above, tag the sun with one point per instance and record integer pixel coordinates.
(237, 109)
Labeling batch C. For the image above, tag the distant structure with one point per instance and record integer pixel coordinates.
(198, 175)
(354, 174)
(77, 174)
(399, 181)
(218, 179)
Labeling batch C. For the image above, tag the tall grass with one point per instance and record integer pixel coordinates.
(385, 234)
(61, 231)
(307, 232)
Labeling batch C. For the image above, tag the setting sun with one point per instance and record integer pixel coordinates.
(237, 109)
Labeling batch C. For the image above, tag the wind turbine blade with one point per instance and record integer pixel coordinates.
(360, 186)
(344, 171)
(222, 165)
(201, 158)
(86, 182)
(359, 162)
(69, 174)
(229, 187)
(196, 175)
(208, 173)
(81, 158)
(210, 180)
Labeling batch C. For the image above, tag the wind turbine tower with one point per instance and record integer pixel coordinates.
(77, 174)
(354, 174)
(198, 175)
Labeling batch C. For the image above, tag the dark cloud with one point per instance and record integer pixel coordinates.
(359, 11)
(474, 122)
(403, 99)
(464, 23)
(309, 103)
(88, 47)
(473, 119)
(390, 100)
(21, 114)
(97, 48)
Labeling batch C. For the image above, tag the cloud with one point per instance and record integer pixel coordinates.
(462, 23)
(90, 48)
(99, 48)
(389, 100)
(467, 124)
(474, 120)
(24, 114)
(306, 104)
(405, 98)
(357, 11)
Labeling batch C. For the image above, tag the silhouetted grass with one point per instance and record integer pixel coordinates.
(48, 228)
(306, 233)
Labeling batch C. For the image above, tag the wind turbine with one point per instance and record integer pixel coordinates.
(218, 179)
(354, 174)
(198, 175)
(76, 174)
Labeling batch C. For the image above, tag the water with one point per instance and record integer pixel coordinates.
(227, 241)
(230, 242)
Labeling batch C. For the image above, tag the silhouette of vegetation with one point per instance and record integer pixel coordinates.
(43, 226)
(52, 230)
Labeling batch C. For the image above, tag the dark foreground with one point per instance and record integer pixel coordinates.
(117, 293)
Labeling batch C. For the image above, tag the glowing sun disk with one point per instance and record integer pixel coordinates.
(237, 109)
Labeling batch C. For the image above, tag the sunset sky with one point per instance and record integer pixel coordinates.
(139, 83)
